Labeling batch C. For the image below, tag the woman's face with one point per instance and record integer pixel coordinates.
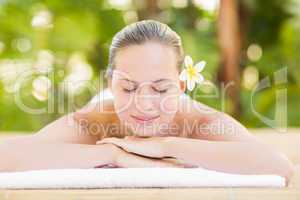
(146, 87)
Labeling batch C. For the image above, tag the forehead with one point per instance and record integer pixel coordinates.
(147, 62)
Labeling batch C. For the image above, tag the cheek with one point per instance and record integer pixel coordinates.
(120, 98)
(123, 110)
(123, 105)
(169, 104)
(121, 102)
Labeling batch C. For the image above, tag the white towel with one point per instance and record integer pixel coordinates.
(132, 178)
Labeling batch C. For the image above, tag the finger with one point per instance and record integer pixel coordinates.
(168, 164)
(109, 140)
(150, 147)
(127, 146)
(128, 138)
(135, 138)
(145, 147)
(131, 138)
(130, 160)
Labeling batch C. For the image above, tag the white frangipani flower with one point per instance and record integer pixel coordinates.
(191, 74)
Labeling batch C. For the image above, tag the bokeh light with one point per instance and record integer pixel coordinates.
(250, 77)
(254, 52)
(40, 88)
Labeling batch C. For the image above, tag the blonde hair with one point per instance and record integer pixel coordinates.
(140, 32)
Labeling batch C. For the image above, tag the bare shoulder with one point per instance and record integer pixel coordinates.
(79, 127)
(200, 121)
(99, 119)
(194, 111)
(102, 112)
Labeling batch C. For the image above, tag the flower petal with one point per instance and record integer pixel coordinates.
(183, 75)
(200, 66)
(199, 78)
(190, 85)
(188, 61)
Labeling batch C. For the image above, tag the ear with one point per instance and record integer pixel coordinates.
(182, 85)
(109, 83)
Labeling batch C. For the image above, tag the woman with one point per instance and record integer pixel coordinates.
(148, 122)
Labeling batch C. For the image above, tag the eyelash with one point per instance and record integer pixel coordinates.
(128, 91)
(160, 91)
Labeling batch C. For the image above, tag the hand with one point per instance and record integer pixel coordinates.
(125, 159)
(154, 147)
(121, 158)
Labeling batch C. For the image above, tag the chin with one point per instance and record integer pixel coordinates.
(144, 130)
(143, 133)
(148, 133)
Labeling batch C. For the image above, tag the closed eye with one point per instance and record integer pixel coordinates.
(129, 90)
(160, 91)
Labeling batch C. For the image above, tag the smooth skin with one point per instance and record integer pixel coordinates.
(76, 141)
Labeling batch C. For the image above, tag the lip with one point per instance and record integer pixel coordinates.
(144, 119)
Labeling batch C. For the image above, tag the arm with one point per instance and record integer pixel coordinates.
(26, 153)
(243, 157)
(227, 145)
(62, 144)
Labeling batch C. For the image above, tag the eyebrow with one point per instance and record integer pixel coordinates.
(125, 79)
(162, 79)
(156, 81)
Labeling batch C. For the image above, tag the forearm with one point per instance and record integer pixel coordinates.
(230, 156)
(20, 156)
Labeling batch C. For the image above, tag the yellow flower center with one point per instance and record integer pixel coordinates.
(191, 71)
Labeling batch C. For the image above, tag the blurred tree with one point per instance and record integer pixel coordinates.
(64, 37)
(229, 40)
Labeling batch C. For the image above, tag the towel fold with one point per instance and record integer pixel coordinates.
(132, 178)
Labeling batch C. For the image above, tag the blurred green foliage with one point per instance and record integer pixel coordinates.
(82, 31)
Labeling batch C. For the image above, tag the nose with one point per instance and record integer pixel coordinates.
(145, 100)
